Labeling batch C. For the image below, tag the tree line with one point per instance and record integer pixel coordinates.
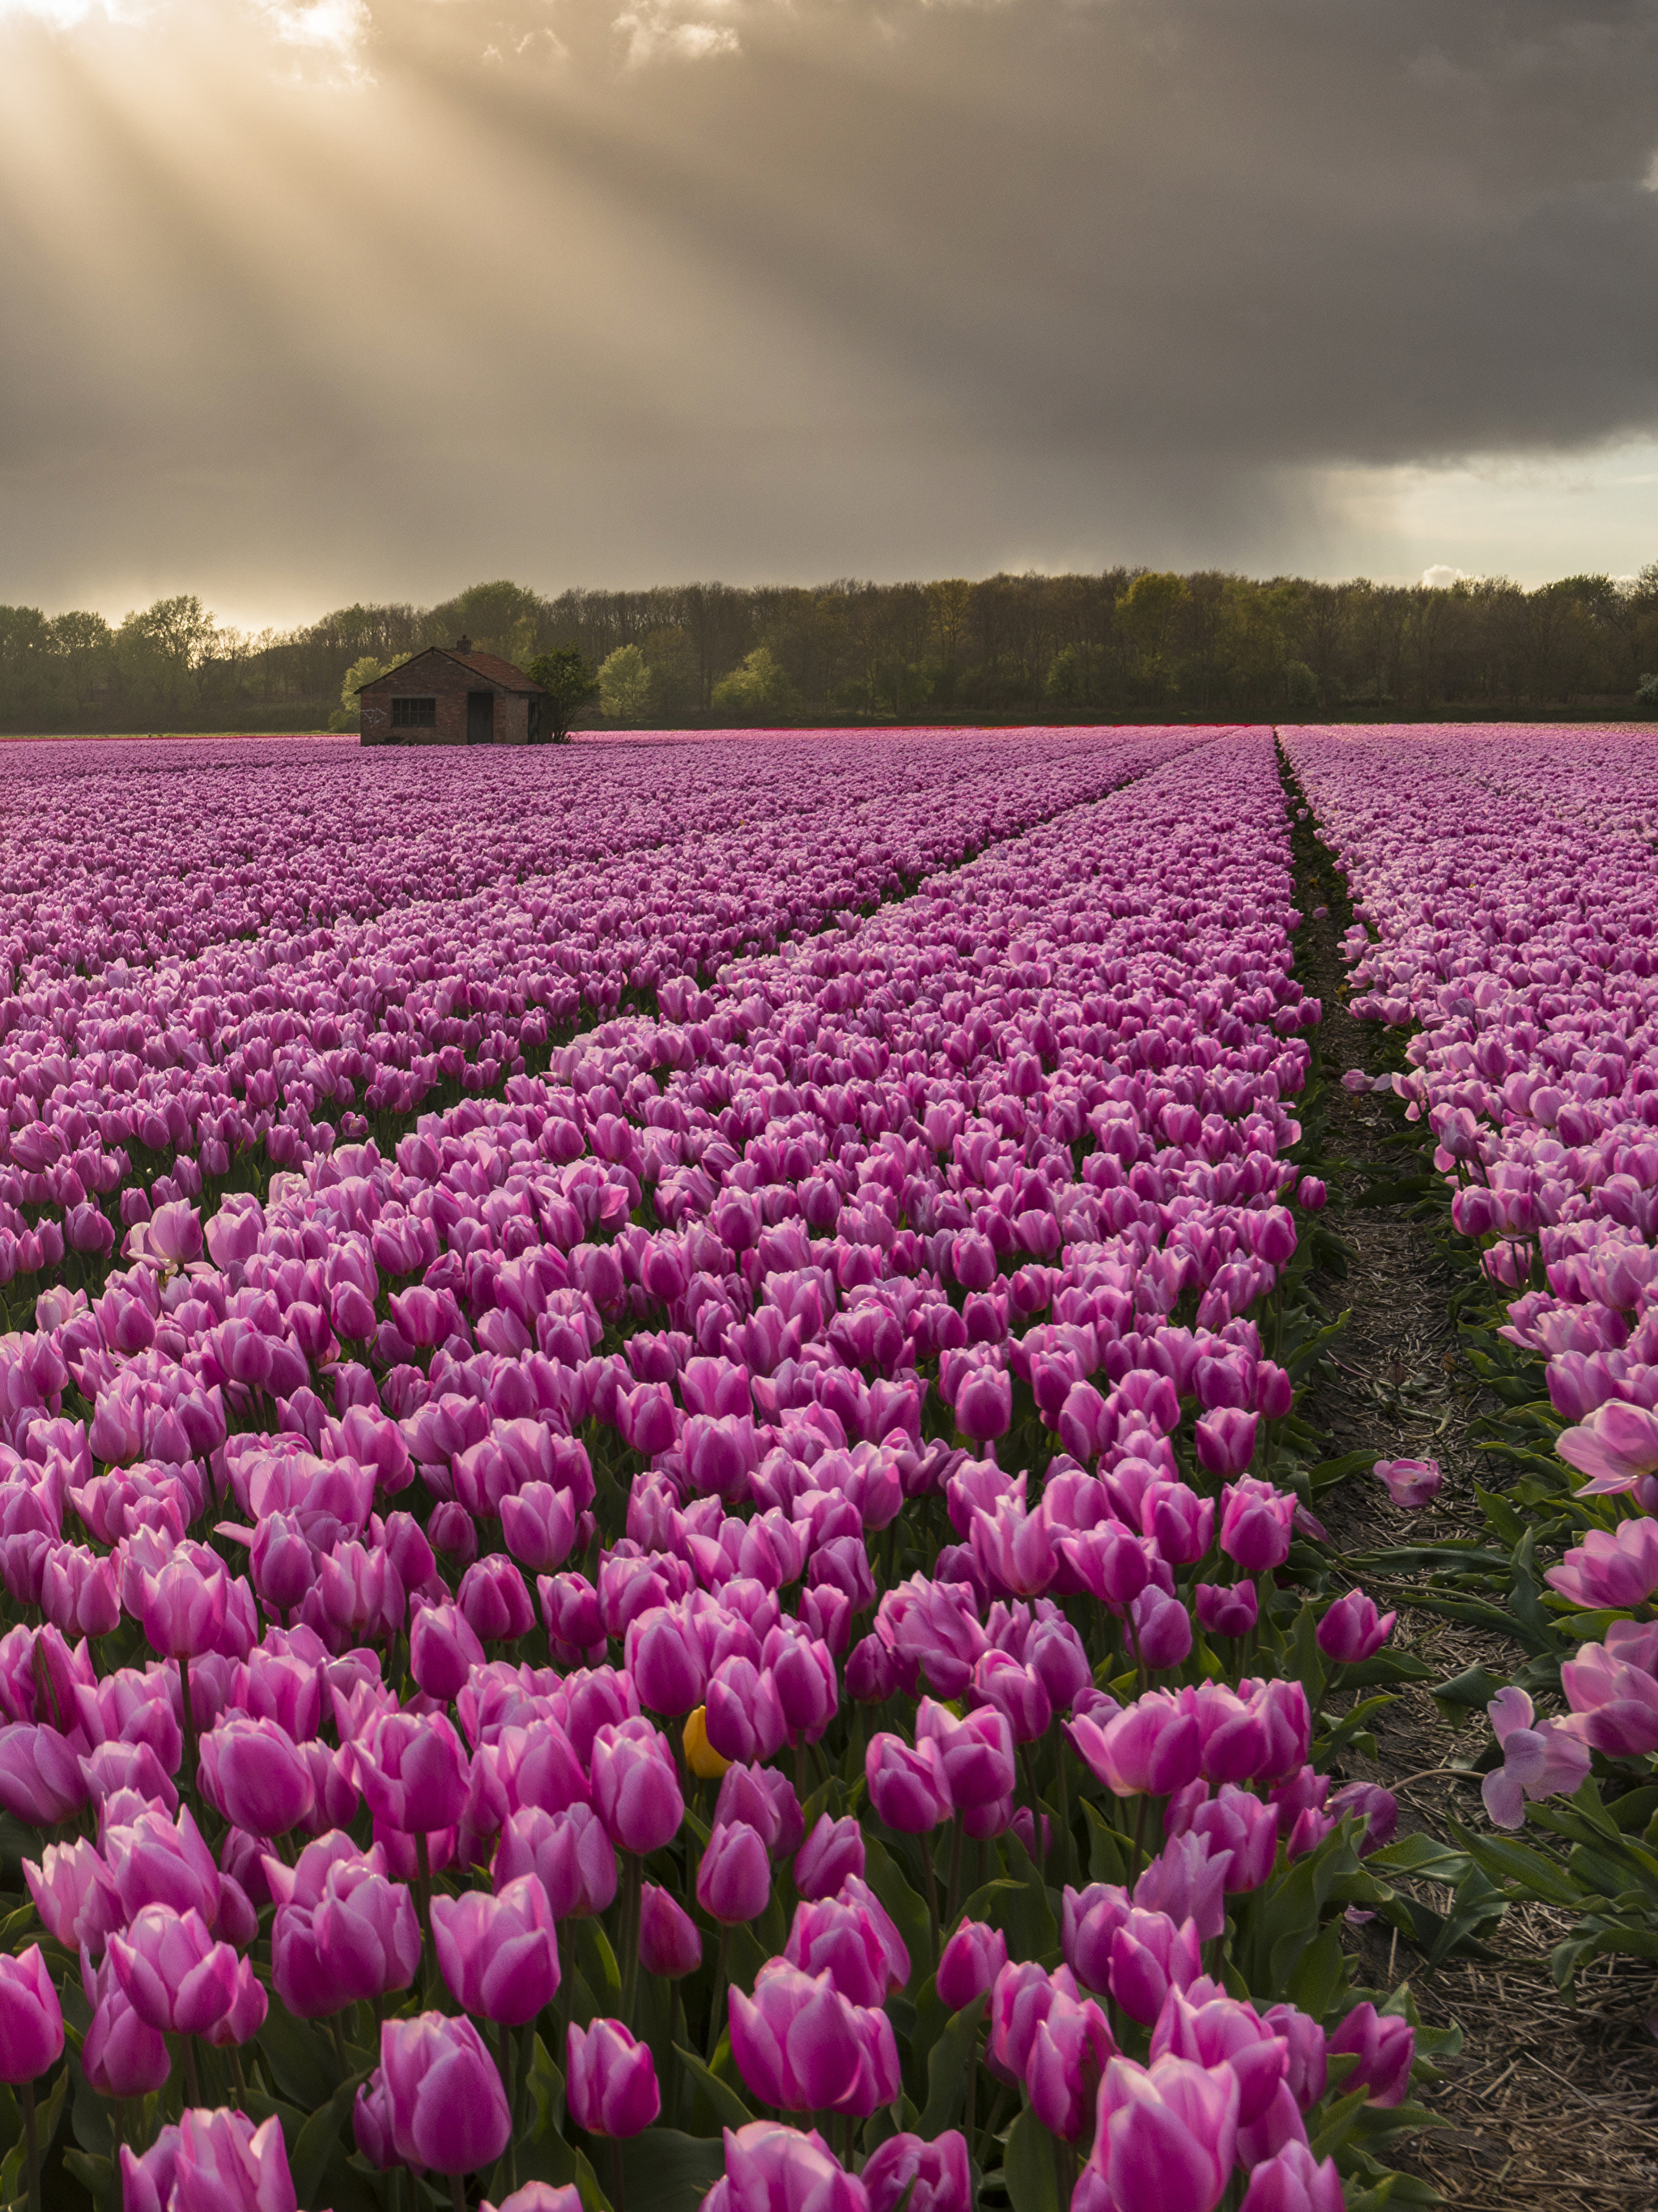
(1122, 644)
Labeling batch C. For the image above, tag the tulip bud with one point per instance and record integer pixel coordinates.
(668, 1940)
(31, 2018)
(734, 1882)
(442, 2094)
(611, 2087)
(499, 1954)
(1351, 1632)
(834, 1849)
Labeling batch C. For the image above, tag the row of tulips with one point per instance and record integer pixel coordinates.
(185, 1009)
(1531, 1066)
(741, 1616)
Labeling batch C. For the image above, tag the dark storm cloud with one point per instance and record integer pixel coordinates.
(305, 300)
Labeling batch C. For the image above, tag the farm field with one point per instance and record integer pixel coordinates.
(905, 1468)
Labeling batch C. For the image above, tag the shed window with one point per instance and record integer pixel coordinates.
(414, 714)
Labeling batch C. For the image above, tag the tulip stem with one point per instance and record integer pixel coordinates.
(191, 2083)
(628, 1934)
(1063, 1806)
(34, 2145)
(456, 2190)
(681, 2036)
(339, 2045)
(1028, 1765)
(931, 1895)
(423, 1905)
(717, 2002)
(617, 2175)
(526, 2059)
(192, 1756)
(507, 2083)
(952, 1896)
(992, 2124)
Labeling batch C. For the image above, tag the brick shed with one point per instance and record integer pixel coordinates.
(451, 696)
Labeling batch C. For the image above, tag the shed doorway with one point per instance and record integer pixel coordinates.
(480, 718)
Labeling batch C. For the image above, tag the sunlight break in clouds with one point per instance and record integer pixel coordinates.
(652, 32)
(337, 26)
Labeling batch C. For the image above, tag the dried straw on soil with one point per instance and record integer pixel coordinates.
(1551, 2107)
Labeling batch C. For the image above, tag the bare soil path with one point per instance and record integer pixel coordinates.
(1551, 2107)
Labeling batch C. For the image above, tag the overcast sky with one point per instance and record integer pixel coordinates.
(310, 300)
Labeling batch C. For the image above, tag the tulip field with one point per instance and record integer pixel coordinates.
(660, 1527)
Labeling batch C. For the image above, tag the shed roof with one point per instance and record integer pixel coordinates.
(489, 665)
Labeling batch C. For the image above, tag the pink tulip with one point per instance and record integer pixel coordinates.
(1386, 2046)
(1351, 1632)
(40, 1778)
(669, 1943)
(905, 1787)
(1224, 1609)
(1216, 2030)
(773, 2168)
(568, 1852)
(838, 1935)
(968, 1966)
(443, 2098)
(494, 1600)
(74, 1894)
(499, 1953)
(411, 1770)
(1068, 2054)
(443, 1650)
(1226, 1441)
(1545, 1760)
(932, 2177)
(154, 1861)
(1165, 2135)
(1410, 1482)
(611, 2080)
(1151, 1746)
(734, 1881)
(1256, 1525)
(31, 2018)
(834, 1849)
(801, 2046)
(343, 1932)
(174, 1976)
(636, 1790)
(121, 2057)
(254, 1773)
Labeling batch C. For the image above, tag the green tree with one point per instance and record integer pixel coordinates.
(624, 685)
(84, 644)
(756, 686)
(569, 683)
(1074, 676)
(348, 715)
(1147, 614)
(159, 651)
(675, 687)
(503, 619)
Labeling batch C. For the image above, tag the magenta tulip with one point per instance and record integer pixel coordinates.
(932, 2177)
(636, 1791)
(31, 2018)
(733, 1881)
(499, 1953)
(612, 2082)
(669, 1943)
(444, 2101)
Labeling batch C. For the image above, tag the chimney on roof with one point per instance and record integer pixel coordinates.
(463, 643)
